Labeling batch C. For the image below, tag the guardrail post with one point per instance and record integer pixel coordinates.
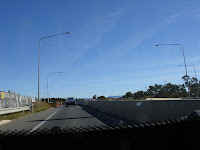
(9, 99)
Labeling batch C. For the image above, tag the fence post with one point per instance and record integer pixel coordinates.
(31, 105)
(15, 100)
(9, 98)
(20, 100)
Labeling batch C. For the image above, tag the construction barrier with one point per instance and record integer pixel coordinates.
(57, 104)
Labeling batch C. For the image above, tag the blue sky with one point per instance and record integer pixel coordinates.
(111, 48)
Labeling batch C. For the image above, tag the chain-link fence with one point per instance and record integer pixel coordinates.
(9, 100)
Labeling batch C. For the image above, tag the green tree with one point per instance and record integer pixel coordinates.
(194, 87)
(151, 91)
(94, 97)
(101, 97)
(192, 84)
(128, 95)
(167, 90)
(139, 94)
(186, 79)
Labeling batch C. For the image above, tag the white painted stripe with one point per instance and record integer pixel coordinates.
(39, 125)
(4, 121)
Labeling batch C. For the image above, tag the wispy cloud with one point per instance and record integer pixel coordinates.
(174, 17)
(150, 80)
(108, 18)
(129, 76)
(108, 21)
(92, 33)
(96, 27)
(142, 35)
(174, 62)
(144, 76)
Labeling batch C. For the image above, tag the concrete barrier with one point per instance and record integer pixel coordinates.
(145, 111)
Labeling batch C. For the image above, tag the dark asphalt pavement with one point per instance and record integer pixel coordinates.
(64, 117)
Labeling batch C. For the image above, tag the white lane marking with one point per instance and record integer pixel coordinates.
(35, 128)
(4, 121)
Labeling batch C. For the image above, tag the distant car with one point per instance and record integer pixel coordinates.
(70, 101)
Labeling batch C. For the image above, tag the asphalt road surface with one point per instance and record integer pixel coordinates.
(63, 117)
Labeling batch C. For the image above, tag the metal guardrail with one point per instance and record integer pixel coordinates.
(13, 110)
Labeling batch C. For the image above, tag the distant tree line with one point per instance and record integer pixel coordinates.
(168, 90)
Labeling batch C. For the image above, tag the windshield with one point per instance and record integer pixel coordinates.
(122, 62)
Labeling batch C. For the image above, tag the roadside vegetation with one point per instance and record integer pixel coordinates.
(159, 91)
(42, 106)
(36, 108)
(168, 90)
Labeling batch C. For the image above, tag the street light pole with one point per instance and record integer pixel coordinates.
(39, 60)
(184, 61)
(44, 94)
(48, 83)
(193, 67)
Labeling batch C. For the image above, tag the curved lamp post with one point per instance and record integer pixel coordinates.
(39, 59)
(183, 58)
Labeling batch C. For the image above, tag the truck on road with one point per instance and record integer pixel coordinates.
(70, 101)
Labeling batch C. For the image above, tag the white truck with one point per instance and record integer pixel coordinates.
(70, 101)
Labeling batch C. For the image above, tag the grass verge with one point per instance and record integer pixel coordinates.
(36, 108)
(42, 106)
